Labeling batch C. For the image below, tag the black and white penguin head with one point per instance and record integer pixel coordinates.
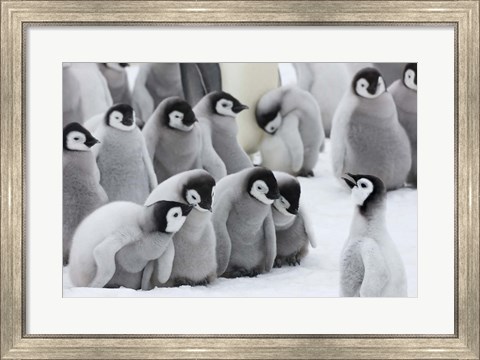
(368, 83)
(199, 192)
(121, 117)
(410, 76)
(226, 105)
(271, 121)
(368, 191)
(262, 185)
(77, 138)
(289, 200)
(169, 216)
(179, 115)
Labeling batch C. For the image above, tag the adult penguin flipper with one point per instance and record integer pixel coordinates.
(292, 139)
(376, 271)
(199, 79)
(270, 242)
(211, 161)
(104, 255)
(308, 228)
(164, 264)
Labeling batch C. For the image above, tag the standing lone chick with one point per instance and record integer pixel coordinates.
(294, 131)
(195, 260)
(404, 93)
(366, 136)
(370, 264)
(112, 246)
(216, 113)
(293, 231)
(82, 192)
(242, 218)
(176, 142)
(126, 170)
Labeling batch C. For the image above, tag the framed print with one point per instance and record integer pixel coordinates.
(54, 50)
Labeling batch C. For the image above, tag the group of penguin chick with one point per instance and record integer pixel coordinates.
(213, 213)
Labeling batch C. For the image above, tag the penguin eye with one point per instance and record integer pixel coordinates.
(224, 105)
(362, 85)
(76, 138)
(175, 215)
(363, 185)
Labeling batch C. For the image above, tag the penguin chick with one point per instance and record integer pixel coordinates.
(85, 92)
(370, 263)
(366, 135)
(112, 246)
(126, 170)
(216, 113)
(117, 81)
(154, 83)
(176, 142)
(293, 231)
(404, 93)
(194, 244)
(291, 118)
(242, 219)
(82, 192)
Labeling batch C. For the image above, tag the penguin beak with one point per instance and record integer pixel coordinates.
(186, 209)
(349, 182)
(206, 205)
(293, 211)
(372, 88)
(273, 195)
(238, 108)
(127, 121)
(91, 142)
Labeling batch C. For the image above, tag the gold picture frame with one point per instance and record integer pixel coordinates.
(17, 15)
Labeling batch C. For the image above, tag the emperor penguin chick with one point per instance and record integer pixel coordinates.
(404, 93)
(370, 263)
(176, 142)
(294, 131)
(82, 192)
(194, 244)
(117, 81)
(112, 246)
(242, 218)
(126, 170)
(366, 135)
(216, 113)
(293, 230)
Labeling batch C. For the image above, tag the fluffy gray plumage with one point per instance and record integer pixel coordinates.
(117, 81)
(295, 145)
(406, 102)
(246, 244)
(154, 83)
(222, 130)
(82, 192)
(368, 139)
(126, 171)
(195, 258)
(173, 151)
(370, 265)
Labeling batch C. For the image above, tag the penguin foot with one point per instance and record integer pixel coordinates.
(190, 282)
(240, 272)
(306, 173)
(293, 260)
(278, 263)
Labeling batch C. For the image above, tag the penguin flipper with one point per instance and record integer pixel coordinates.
(142, 103)
(224, 243)
(164, 264)
(147, 275)
(104, 255)
(270, 242)
(293, 141)
(376, 273)
(147, 161)
(211, 161)
(308, 228)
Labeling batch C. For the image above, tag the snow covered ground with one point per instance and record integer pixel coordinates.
(330, 209)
